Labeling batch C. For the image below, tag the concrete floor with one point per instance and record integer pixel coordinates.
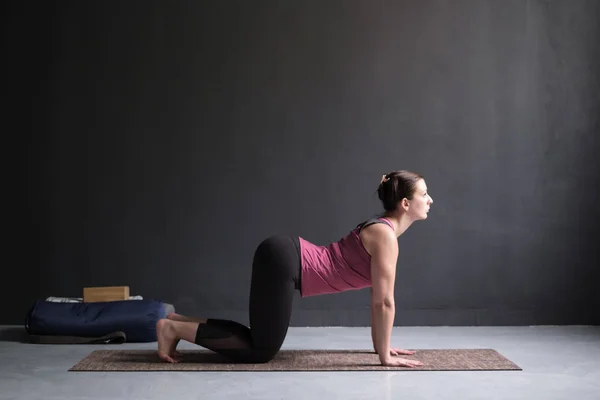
(557, 362)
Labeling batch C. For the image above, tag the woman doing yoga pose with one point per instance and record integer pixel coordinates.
(282, 264)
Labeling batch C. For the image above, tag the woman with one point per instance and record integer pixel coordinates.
(366, 257)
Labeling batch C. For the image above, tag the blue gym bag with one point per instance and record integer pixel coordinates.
(135, 318)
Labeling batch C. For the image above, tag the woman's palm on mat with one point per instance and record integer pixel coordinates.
(401, 362)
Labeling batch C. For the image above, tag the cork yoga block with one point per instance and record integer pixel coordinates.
(105, 293)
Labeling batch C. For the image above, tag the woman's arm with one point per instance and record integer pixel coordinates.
(373, 333)
(384, 255)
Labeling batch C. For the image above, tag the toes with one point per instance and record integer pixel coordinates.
(166, 357)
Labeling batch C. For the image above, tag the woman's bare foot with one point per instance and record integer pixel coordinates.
(176, 317)
(182, 318)
(167, 341)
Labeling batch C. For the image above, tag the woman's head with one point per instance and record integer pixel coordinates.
(405, 190)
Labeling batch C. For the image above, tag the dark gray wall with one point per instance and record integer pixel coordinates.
(167, 139)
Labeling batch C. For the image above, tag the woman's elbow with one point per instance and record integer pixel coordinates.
(383, 302)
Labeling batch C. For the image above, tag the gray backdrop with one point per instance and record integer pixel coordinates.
(167, 139)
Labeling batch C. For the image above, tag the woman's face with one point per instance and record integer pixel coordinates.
(419, 205)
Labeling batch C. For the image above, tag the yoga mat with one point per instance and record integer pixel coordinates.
(296, 360)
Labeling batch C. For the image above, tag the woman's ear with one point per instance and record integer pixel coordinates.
(405, 204)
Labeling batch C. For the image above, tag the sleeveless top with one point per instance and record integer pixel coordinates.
(338, 267)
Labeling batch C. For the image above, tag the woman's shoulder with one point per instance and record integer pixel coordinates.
(374, 220)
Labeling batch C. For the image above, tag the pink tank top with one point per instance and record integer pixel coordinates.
(340, 266)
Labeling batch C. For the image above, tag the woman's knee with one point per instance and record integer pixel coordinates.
(262, 356)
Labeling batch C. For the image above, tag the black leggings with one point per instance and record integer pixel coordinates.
(275, 276)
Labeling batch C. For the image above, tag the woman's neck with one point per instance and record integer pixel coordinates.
(399, 220)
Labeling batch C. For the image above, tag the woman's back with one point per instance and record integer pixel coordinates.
(340, 266)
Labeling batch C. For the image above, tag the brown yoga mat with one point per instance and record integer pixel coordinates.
(296, 360)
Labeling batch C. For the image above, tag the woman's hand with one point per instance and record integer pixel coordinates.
(400, 362)
(401, 352)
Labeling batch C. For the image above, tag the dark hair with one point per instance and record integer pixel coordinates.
(395, 186)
